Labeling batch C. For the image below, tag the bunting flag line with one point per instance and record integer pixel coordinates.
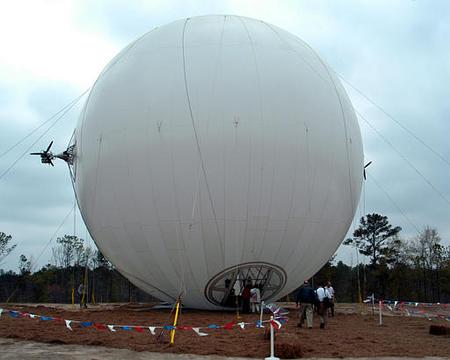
(416, 309)
(414, 303)
(279, 319)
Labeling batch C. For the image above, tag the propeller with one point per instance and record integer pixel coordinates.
(364, 170)
(46, 155)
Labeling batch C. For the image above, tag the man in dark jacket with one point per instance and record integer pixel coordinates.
(306, 298)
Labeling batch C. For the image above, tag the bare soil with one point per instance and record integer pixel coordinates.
(351, 333)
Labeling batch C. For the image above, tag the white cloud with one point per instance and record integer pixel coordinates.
(42, 41)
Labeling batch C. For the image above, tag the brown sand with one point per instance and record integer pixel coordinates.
(347, 334)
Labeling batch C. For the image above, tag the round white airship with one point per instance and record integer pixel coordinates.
(217, 151)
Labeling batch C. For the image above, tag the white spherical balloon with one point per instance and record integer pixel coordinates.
(217, 149)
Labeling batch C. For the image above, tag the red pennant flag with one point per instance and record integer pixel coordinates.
(139, 329)
(184, 327)
(100, 326)
(229, 326)
(58, 319)
(24, 314)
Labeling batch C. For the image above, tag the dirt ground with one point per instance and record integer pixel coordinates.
(353, 332)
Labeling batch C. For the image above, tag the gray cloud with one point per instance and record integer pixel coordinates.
(395, 52)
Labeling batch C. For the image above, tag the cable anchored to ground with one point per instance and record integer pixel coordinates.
(69, 105)
(61, 114)
(410, 132)
(432, 186)
(371, 177)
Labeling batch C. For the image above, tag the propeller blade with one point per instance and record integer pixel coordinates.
(364, 173)
(35, 153)
(49, 146)
(51, 163)
(370, 162)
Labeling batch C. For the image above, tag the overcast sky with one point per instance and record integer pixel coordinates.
(396, 52)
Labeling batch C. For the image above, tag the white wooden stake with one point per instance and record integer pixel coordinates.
(272, 346)
(380, 308)
(261, 314)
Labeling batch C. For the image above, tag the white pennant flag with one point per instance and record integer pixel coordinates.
(1, 310)
(199, 333)
(67, 324)
(111, 328)
(32, 316)
(417, 304)
(395, 303)
(241, 324)
(152, 329)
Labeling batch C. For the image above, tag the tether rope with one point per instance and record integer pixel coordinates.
(54, 234)
(69, 105)
(371, 177)
(40, 137)
(441, 195)
(420, 140)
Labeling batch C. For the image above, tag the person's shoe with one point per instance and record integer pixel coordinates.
(322, 326)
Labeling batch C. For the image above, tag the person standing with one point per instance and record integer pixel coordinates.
(306, 298)
(324, 299)
(330, 290)
(81, 294)
(255, 299)
(246, 298)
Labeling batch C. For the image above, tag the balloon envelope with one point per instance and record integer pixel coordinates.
(216, 150)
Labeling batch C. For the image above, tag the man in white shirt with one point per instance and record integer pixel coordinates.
(324, 298)
(330, 290)
(255, 299)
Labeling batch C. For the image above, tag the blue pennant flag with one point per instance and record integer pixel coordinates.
(87, 323)
(169, 327)
(125, 327)
(46, 318)
(14, 314)
(213, 326)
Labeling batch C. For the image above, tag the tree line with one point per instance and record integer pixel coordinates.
(73, 263)
(416, 269)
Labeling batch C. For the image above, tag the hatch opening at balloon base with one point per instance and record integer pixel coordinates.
(225, 289)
